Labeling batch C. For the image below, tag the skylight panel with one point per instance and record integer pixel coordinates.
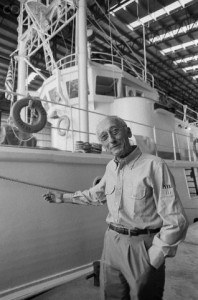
(158, 13)
(172, 6)
(184, 2)
(146, 19)
(136, 24)
(161, 12)
(178, 47)
(192, 68)
(173, 33)
(185, 60)
(123, 6)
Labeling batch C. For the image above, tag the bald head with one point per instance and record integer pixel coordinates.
(110, 119)
(113, 134)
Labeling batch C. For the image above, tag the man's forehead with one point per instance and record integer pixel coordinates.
(106, 124)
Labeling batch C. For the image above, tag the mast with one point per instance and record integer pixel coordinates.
(145, 62)
(22, 66)
(82, 70)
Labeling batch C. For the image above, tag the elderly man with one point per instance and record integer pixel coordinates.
(146, 221)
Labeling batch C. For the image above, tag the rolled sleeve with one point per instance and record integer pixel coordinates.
(92, 196)
(174, 220)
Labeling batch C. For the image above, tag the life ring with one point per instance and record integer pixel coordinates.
(40, 118)
(62, 131)
(194, 147)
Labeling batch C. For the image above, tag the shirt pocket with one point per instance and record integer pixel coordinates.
(138, 196)
(138, 193)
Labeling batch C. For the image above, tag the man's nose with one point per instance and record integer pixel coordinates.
(111, 137)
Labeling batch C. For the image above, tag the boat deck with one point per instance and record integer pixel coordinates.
(181, 277)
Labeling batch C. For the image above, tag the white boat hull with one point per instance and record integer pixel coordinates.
(42, 241)
(44, 244)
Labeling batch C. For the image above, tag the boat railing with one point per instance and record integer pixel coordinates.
(175, 146)
(182, 111)
(67, 61)
(108, 59)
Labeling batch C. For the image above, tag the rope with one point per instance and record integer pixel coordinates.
(127, 61)
(18, 138)
(110, 35)
(128, 46)
(33, 184)
(10, 122)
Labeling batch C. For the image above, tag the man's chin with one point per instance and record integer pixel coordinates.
(116, 151)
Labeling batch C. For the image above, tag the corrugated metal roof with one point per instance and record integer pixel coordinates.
(119, 28)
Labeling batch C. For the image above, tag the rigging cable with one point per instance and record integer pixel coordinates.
(33, 184)
(126, 60)
(112, 58)
(120, 35)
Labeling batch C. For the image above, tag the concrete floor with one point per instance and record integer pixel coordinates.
(181, 277)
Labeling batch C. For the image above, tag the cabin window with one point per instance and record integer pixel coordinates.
(192, 181)
(72, 88)
(54, 97)
(130, 93)
(139, 93)
(123, 90)
(106, 86)
(127, 91)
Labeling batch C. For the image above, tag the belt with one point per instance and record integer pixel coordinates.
(134, 231)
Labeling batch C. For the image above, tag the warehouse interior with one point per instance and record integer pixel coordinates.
(139, 61)
(167, 29)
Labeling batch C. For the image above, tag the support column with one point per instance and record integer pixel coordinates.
(22, 67)
(21, 88)
(22, 76)
(82, 70)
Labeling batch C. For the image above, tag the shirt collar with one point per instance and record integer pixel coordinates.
(129, 159)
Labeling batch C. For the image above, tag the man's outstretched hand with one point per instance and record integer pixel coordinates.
(54, 197)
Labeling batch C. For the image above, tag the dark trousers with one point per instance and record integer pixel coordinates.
(125, 272)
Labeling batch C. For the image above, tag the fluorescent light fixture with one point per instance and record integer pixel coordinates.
(184, 2)
(186, 59)
(178, 47)
(123, 6)
(195, 67)
(158, 13)
(172, 7)
(174, 32)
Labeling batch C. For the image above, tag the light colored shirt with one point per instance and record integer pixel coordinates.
(140, 193)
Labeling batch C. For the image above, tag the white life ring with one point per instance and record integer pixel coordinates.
(62, 130)
(40, 118)
(195, 150)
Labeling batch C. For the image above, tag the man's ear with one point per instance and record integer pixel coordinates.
(129, 132)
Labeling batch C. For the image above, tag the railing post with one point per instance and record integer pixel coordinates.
(174, 147)
(155, 140)
(122, 64)
(72, 129)
(188, 144)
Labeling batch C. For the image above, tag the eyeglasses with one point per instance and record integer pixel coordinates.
(112, 132)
